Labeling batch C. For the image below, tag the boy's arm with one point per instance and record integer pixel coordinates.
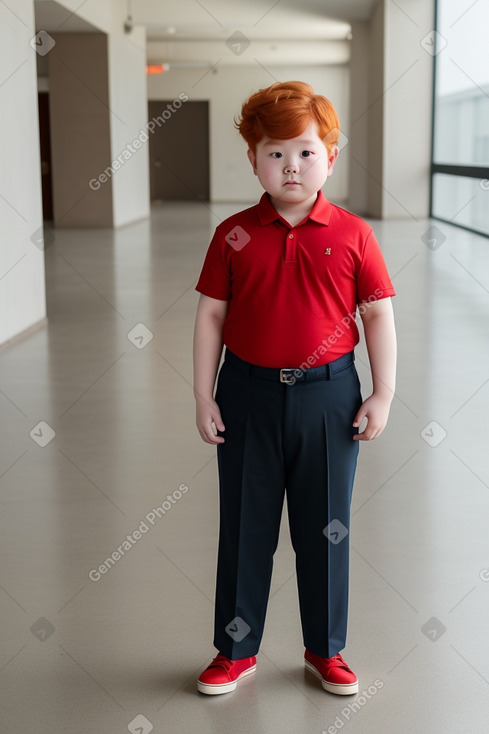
(380, 335)
(207, 354)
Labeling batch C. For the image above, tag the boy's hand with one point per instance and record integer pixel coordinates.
(209, 420)
(376, 410)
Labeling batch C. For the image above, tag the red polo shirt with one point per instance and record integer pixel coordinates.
(293, 291)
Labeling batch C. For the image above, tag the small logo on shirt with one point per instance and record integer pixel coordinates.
(327, 251)
(237, 238)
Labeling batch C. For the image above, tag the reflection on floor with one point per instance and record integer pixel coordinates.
(100, 460)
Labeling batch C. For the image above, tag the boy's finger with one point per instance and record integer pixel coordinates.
(360, 436)
(215, 439)
(359, 417)
(369, 434)
(209, 437)
(217, 420)
(363, 436)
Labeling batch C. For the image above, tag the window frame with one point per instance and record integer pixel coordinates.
(465, 171)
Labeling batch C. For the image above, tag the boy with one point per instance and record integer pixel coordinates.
(279, 288)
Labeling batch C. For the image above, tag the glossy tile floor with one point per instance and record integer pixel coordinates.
(89, 651)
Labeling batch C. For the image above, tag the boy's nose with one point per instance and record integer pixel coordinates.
(291, 168)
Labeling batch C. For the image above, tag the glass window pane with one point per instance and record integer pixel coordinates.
(461, 200)
(462, 83)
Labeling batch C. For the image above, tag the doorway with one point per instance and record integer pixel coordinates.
(45, 149)
(179, 152)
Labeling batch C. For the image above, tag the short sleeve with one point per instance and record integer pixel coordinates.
(373, 281)
(215, 277)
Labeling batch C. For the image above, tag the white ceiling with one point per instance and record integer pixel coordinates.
(217, 20)
(256, 19)
(53, 17)
(341, 9)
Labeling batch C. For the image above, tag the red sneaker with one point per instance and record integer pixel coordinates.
(335, 674)
(223, 674)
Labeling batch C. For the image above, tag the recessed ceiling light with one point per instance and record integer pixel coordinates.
(157, 68)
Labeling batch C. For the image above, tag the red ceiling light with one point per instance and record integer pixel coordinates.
(154, 69)
(157, 68)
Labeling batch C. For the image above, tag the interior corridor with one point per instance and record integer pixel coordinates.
(98, 443)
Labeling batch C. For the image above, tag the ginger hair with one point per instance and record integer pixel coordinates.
(283, 111)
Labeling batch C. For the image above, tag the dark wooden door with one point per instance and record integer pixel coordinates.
(179, 152)
(45, 145)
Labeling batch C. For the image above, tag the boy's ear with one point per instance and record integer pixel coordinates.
(332, 156)
(252, 160)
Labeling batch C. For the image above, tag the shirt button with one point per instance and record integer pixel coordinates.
(291, 236)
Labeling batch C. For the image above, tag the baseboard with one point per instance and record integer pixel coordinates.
(25, 334)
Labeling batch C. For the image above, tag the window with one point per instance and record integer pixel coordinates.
(460, 157)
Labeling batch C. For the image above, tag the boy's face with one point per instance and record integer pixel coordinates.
(293, 171)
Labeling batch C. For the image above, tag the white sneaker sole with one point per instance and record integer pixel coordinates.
(340, 689)
(215, 689)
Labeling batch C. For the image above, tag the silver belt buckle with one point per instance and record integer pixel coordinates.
(287, 376)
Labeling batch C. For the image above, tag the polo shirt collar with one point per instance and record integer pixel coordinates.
(320, 212)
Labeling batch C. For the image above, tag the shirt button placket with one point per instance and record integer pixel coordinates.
(290, 248)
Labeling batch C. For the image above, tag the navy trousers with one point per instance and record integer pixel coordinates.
(295, 438)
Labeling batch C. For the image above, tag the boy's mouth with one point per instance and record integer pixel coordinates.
(292, 183)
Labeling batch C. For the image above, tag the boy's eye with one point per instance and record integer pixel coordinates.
(276, 155)
(306, 153)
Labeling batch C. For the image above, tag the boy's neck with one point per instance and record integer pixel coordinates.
(294, 213)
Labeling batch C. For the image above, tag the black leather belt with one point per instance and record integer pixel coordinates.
(291, 375)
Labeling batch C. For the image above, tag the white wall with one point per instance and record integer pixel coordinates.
(358, 146)
(128, 103)
(22, 292)
(408, 79)
(22, 286)
(391, 98)
(226, 88)
(271, 52)
(377, 97)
